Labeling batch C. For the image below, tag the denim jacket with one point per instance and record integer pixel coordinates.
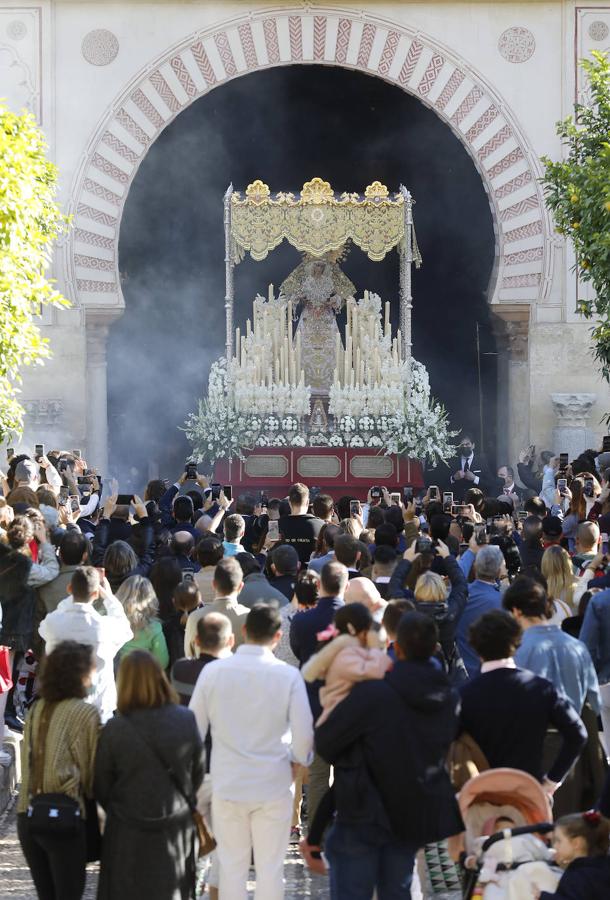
(595, 633)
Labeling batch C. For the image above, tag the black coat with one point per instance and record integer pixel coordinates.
(104, 537)
(148, 847)
(18, 600)
(587, 878)
(388, 741)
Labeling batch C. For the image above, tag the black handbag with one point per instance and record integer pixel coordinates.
(54, 815)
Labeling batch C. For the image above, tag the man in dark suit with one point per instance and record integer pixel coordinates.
(506, 486)
(467, 470)
(304, 631)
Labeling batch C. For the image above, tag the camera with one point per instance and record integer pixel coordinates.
(376, 493)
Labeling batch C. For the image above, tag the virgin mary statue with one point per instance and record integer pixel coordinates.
(318, 289)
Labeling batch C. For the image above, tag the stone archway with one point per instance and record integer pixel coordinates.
(414, 62)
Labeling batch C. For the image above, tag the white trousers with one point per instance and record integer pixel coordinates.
(241, 828)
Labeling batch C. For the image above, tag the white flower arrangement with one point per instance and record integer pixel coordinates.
(395, 416)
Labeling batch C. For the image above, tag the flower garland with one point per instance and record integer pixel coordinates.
(402, 418)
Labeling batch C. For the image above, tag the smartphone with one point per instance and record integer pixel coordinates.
(562, 485)
(447, 500)
(433, 492)
(191, 471)
(395, 498)
(407, 494)
(216, 489)
(606, 443)
(480, 534)
(354, 508)
(424, 545)
(264, 501)
(563, 461)
(76, 454)
(273, 530)
(376, 493)
(588, 488)
(10, 452)
(227, 490)
(124, 500)
(38, 452)
(188, 576)
(522, 515)
(460, 509)
(74, 503)
(64, 492)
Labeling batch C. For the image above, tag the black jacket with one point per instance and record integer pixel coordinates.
(494, 702)
(446, 614)
(532, 480)
(17, 599)
(460, 487)
(103, 538)
(587, 878)
(388, 741)
(531, 556)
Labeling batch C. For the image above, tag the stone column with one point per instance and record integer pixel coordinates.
(511, 326)
(97, 323)
(571, 434)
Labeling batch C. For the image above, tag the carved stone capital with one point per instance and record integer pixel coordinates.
(511, 326)
(97, 323)
(572, 410)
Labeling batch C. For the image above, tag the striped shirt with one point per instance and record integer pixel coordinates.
(69, 753)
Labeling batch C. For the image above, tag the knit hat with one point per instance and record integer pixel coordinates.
(603, 461)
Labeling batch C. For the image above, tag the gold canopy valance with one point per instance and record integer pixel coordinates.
(318, 221)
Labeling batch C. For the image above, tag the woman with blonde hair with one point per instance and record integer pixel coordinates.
(141, 606)
(445, 604)
(148, 768)
(557, 568)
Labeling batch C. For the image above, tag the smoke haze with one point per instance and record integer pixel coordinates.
(285, 126)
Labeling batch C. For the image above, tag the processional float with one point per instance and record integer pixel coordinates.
(300, 400)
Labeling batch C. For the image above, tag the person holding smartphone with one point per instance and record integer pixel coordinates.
(300, 529)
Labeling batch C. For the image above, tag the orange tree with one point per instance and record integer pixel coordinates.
(577, 191)
(30, 221)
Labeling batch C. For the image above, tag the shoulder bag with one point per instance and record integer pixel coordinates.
(207, 843)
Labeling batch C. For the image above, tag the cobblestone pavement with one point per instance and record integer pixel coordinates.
(16, 884)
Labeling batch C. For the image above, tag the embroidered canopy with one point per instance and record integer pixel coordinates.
(318, 221)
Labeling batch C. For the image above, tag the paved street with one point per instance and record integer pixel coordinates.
(16, 884)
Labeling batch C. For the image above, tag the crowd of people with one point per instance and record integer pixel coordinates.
(310, 669)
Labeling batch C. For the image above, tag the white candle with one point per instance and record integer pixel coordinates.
(248, 327)
(237, 346)
(399, 345)
(387, 318)
(270, 292)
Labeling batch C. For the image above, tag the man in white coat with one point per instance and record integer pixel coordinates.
(76, 619)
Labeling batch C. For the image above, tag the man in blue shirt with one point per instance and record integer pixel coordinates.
(548, 651)
(483, 596)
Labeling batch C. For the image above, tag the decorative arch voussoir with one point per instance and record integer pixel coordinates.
(415, 62)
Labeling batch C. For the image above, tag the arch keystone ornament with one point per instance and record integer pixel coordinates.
(415, 62)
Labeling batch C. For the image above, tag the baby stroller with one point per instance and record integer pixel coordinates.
(504, 855)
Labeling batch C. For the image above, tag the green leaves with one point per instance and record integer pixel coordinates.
(30, 221)
(577, 191)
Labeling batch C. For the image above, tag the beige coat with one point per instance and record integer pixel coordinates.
(235, 612)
